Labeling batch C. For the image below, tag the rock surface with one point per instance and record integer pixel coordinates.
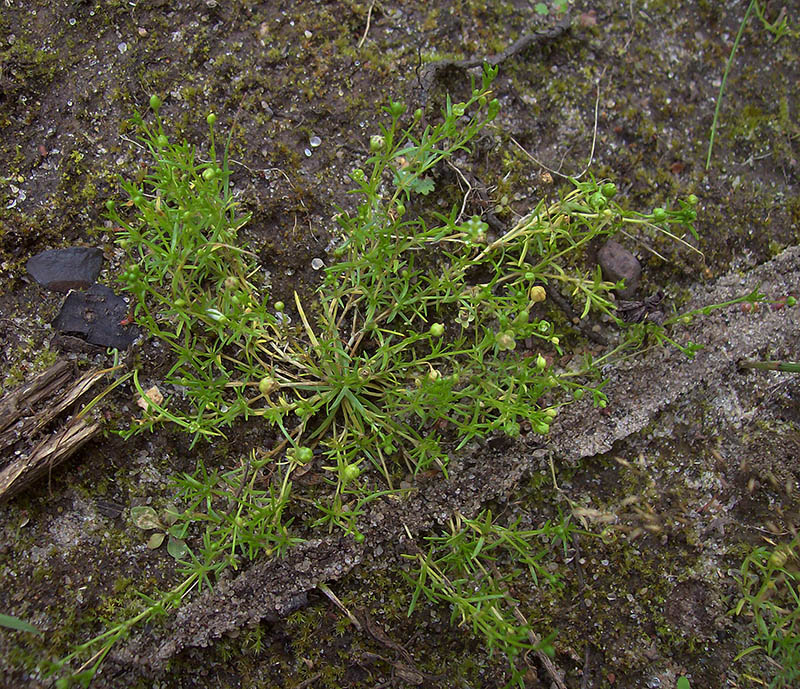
(96, 316)
(75, 267)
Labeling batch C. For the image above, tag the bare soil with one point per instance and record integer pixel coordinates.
(691, 464)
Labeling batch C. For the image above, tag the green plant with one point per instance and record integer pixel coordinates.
(682, 683)
(769, 579)
(372, 380)
(11, 622)
(166, 529)
(559, 6)
(778, 28)
(427, 332)
(474, 569)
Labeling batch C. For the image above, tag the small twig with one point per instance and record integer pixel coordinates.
(308, 682)
(557, 298)
(466, 194)
(432, 69)
(643, 244)
(333, 598)
(585, 680)
(788, 366)
(552, 669)
(366, 28)
(591, 152)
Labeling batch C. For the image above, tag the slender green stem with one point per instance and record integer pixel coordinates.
(753, 4)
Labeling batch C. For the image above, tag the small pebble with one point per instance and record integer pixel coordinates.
(618, 263)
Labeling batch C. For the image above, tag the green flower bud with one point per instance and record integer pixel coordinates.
(211, 119)
(609, 190)
(304, 455)
(521, 319)
(396, 108)
(376, 143)
(279, 306)
(598, 201)
(659, 214)
(537, 294)
(437, 330)
(266, 385)
(778, 558)
(155, 102)
(692, 200)
(209, 174)
(350, 473)
(110, 205)
(541, 362)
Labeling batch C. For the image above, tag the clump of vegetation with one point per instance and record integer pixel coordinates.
(428, 332)
(474, 569)
(769, 579)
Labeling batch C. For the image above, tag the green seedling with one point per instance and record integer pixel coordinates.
(558, 6)
(166, 529)
(769, 581)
